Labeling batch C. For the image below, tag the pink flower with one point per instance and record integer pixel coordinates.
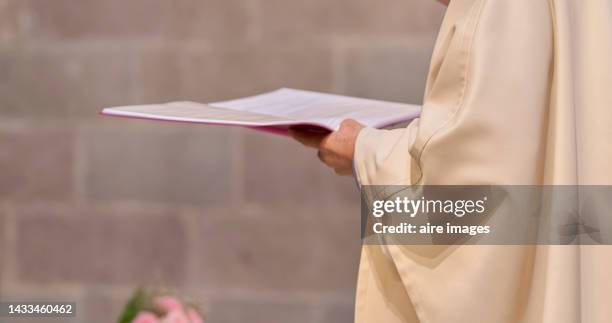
(145, 317)
(194, 316)
(168, 304)
(176, 316)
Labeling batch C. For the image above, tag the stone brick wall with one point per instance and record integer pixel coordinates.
(252, 224)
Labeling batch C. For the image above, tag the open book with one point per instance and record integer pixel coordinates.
(277, 111)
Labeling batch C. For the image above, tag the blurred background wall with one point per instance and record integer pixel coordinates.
(249, 223)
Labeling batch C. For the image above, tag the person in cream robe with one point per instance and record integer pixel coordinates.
(518, 92)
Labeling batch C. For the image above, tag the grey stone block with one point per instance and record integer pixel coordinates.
(157, 162)
(36, 164)
(96, 247)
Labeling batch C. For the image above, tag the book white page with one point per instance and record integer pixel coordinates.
(199, 113)
(279, 109)
(327, 110)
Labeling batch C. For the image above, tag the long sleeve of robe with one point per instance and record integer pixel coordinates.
(519, 92)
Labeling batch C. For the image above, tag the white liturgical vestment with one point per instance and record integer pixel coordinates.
(518, 92)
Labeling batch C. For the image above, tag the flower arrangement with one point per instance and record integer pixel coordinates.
(157, 307)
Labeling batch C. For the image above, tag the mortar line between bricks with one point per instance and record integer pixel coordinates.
(279, 296)
(339, 68)
(3, 248)
(254, 25)
(359, 41)
(237, 169)
(9, 234)
(80, 165)
(213, 294)
(190, 226)
(353, 40)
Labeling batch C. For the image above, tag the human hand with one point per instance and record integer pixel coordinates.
(335, 149)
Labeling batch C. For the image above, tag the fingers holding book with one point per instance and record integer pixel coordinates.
(335, 149)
